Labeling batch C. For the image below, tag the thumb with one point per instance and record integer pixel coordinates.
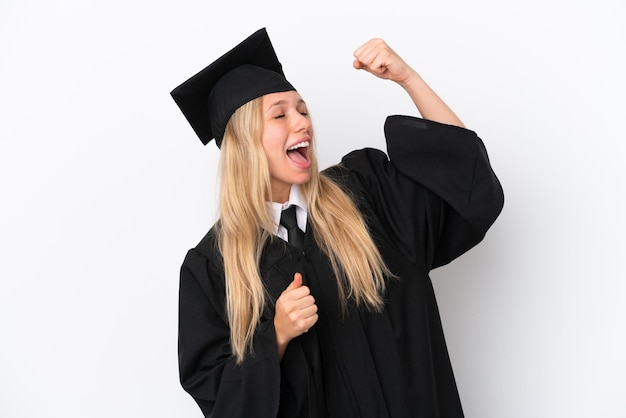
(296, 283)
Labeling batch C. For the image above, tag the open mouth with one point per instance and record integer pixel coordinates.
(299, 153)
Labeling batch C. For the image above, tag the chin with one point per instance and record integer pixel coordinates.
(303, 179)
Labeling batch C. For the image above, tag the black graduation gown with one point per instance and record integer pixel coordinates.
(429, 202)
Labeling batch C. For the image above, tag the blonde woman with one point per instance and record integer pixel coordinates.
(329, 313)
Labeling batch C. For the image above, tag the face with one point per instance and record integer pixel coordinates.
(287, 133)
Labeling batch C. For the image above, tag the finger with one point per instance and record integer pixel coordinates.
(295, 305)
(309, 312)
(296, 282)
(380, 55)
(379, 64)
(367, 53)
(303, 318)
(367, 46)
(364, 58)
(292, 303)
(361, 55)
(307, 323)
(295, 299)
(358, 52)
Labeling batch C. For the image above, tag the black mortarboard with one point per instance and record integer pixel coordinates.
(249, 70)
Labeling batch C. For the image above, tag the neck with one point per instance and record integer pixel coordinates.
(281, 195)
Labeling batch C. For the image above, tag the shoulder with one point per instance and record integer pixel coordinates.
(208, 245)
(360, 160)
(206, 254)
(202, 272)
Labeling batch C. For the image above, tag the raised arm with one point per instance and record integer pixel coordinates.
(376, 57)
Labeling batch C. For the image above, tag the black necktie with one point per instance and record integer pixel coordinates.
(294, 233)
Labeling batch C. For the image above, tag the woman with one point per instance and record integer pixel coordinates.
(341, 320)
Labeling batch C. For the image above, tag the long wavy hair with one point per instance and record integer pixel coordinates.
(245, 225)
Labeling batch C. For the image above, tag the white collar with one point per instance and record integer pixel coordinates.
(297, 199)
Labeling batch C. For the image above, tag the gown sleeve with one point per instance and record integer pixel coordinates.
(208, 371)
(436, 194)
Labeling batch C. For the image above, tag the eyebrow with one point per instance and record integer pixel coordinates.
(282, 102)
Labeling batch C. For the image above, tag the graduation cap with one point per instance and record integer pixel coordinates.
(209, 98)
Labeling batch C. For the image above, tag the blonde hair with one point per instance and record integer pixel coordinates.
(246, 223)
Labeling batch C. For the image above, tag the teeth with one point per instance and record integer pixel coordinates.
(300, 145)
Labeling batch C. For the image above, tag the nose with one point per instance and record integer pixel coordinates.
(302, 123)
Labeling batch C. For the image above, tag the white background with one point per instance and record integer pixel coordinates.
(104, 187)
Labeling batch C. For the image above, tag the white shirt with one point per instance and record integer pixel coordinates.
(296, 199)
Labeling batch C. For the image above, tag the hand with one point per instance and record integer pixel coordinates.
(376, 57)
(295, 313)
